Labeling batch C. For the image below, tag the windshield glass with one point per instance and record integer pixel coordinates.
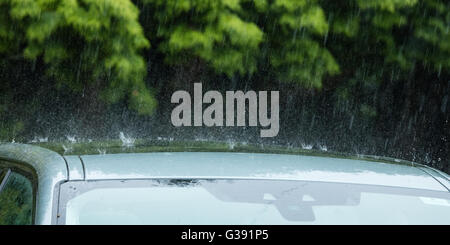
(247, 202)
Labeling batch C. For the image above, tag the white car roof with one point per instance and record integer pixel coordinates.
(221, 165)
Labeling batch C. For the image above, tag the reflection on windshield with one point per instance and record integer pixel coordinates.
(247, 202)
(294, 201)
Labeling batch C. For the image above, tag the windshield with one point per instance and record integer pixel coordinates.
(247, 202)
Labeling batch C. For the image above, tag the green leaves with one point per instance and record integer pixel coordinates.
(311, 18)
(224, 34)
(84, 42)
(297, 54)
(211, 30)
(386, 5)
(304, 61)
(434, 34)
(425, 23)
(102, 42)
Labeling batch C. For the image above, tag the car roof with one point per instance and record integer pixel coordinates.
(51, 168)
(227, 165)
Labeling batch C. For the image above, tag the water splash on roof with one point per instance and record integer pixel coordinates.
(127, 141)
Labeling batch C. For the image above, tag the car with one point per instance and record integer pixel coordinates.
(40, 186)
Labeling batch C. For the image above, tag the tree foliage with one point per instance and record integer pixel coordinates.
(357, 51)
(234, 37)
(81, 42)
(212, 30)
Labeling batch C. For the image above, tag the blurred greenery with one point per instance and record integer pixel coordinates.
(16, 201)
(364, 54)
